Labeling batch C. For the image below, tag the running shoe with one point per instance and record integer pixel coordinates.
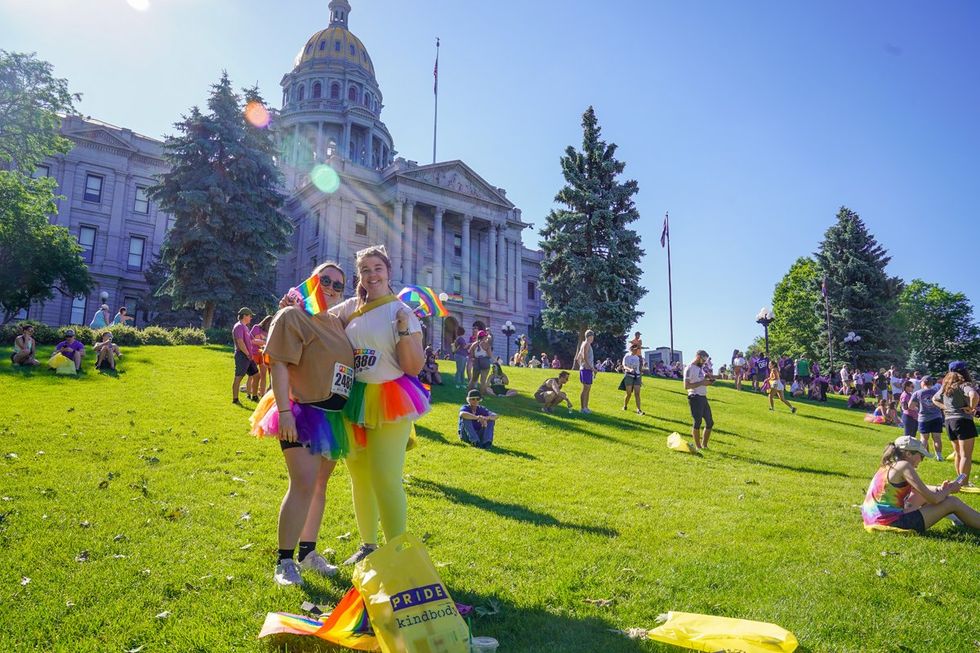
(287, 573)
(316, 562)
(364, 551)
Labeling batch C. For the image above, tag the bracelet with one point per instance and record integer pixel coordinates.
(286, 410)
(404, 333)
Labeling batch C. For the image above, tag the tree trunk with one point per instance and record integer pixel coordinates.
(209, 307)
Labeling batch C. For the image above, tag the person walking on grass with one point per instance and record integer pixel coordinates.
(311, 372)
(804, 374)
(958, 400)
(777, 388)
(586, 373)
(738, 369)
(930, 424)
(910, 410)
(633, 377)
(256, 385)
(461, 355)
(898, 498)
(696, 383)
(244, 365)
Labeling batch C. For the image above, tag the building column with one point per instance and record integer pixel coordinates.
(394, 243)
(345, 151)
(492, 259)
(520, 294)
(409, 255)
(295, 158)
(320, 155)
(501, 264)
(465, 268)
(438, 251)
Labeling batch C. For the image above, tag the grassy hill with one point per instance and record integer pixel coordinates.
(131, 496)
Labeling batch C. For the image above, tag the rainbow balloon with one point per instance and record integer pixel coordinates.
(310, 292)
(426, 298)
(347, 625)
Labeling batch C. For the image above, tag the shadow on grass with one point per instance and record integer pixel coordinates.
(517, 628)
(791, 468)
(688, 424)
(963, 534)
(860, 425)
(513, 511)
(435, 436)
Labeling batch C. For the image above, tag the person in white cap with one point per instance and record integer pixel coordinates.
(898, 498)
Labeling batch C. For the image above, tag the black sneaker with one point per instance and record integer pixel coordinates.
(364, 551)
(236, 402)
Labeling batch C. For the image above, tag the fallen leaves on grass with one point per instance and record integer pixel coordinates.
(136, 650)
(12, 456)
(164, 614)
(632, 633)
(25, 580)
(174, 514)
(881, 573)
(120, 538)
(245, 517)
(238, 479)
(885, 554)
(69, 603)
(600, 603)
(82, 557)
(488, 609)
(103, 485)
(86, 524)
(345, 536)
(246, 547)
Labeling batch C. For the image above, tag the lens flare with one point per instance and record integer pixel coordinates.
(325, 178)
(139, 5)
(257, 115)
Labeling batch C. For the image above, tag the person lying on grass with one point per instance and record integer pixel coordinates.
(476, 422)
(898, 498)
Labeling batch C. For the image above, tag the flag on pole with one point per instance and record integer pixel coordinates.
(665, 234)
(823, 288)
(435, 71)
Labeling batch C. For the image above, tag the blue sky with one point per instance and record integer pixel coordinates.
(752, 122)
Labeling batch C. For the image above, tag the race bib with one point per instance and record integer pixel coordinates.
(343, 380)
(365, 360)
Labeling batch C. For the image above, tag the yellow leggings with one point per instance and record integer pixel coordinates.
(376, 481)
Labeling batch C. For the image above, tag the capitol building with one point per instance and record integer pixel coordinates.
(444, 226)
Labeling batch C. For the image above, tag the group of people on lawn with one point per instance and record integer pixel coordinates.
(68, 354)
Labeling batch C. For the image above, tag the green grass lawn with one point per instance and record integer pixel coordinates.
(131, 496)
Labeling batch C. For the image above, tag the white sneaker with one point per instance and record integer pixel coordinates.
(939, 457)
(316, 562)
(287, 573)
(586, 411)
(956, 520)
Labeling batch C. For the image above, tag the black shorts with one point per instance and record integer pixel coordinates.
(910, 425)
(934, 425)
(911, 521)
(244, 365)
(961, 428)
(700, 410)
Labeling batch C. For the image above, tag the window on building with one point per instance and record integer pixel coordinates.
(86, 238)
(142, 204)
(430, 239)
(323, 45)
(352, 94)
(316, 224)
(41, 172)
(531, 290)
(309, 48)
(353, 51)
(360, 223)
(428, 277)
(457, 245)
(317, 90)
(79, 310)
(457, 284)
(93, 188)
(136, 246)
(130, 303)
(21, 314)
(336, 46)
(367, 99)
(301, 93)
(335, 91)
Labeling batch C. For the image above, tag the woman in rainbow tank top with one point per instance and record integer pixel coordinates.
(385, 401)
(898, 498)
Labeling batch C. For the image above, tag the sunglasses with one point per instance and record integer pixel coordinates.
(338, 286)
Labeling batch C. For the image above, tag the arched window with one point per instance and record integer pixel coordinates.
(352, 94)
(367, 100)
(353, 51)
(285, 97)
(301, 93)
(335, 91)
(323, 44)
(309, 48)
(317, 90)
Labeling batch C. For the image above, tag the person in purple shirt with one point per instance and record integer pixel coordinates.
(244, 348)
(71, 348)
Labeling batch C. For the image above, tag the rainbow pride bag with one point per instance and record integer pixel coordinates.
(407, 603)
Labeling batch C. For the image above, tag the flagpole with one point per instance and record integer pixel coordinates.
(435, 92)
(830, 342)
(670, 291)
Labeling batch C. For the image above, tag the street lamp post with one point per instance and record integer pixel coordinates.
(852, 339)
(765, 318)
(443, 296)
(508, 331)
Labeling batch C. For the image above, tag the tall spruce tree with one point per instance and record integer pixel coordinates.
(590, 275)
(940, 327)
(223, 190)
(862, 297)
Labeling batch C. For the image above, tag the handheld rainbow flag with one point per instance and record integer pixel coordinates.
(347, 625)
(310, 292)
(426, 298)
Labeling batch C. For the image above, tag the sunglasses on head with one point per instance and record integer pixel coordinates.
(338, 286)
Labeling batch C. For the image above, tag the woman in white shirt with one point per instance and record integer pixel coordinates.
(385, 401)
(633, 377)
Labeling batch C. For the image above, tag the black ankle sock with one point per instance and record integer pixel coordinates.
(305, 549)
(285, 554)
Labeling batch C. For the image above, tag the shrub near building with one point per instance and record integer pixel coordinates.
(124, 336)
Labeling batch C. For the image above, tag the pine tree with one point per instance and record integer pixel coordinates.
(223, 191)
(862, 297)
(590, 275)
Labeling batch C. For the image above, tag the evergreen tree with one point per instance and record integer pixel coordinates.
(590, 275)
(796, 330)
(940, 327)
(223, 190)
(862, 297)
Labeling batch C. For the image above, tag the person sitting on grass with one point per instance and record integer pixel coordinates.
(550, 393)
(476, 422)
(107, 352)
(498, 381)
(898, 498)
(430, 369)
(555, 363)
(25, 349)
(70, 348)
(855, 400)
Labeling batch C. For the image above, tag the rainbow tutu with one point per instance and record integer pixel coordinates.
(372, 404)
(327, 432)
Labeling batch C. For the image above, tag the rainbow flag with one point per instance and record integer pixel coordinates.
(455, 297)
(426, 298)
(311, 294)
(347, 625)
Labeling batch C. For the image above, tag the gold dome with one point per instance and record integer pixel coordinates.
(336, 44)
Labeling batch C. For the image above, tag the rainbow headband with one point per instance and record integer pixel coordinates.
(426, 298)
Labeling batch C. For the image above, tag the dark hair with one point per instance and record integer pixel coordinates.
(564, 373)
(460, 331)
(266, 321)
(478, 324)
(123, 309)
(104, 334)
(907, 384)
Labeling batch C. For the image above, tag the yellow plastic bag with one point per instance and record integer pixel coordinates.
(702, 632)
(409, 607)
(61, 364)
(677, 443)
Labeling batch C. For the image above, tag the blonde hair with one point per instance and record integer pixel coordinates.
(377, 251)
(329, 265)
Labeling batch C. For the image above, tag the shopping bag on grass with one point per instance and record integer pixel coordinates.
(677, 443)
(702, 632)
(61, 364)
(407, 603)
